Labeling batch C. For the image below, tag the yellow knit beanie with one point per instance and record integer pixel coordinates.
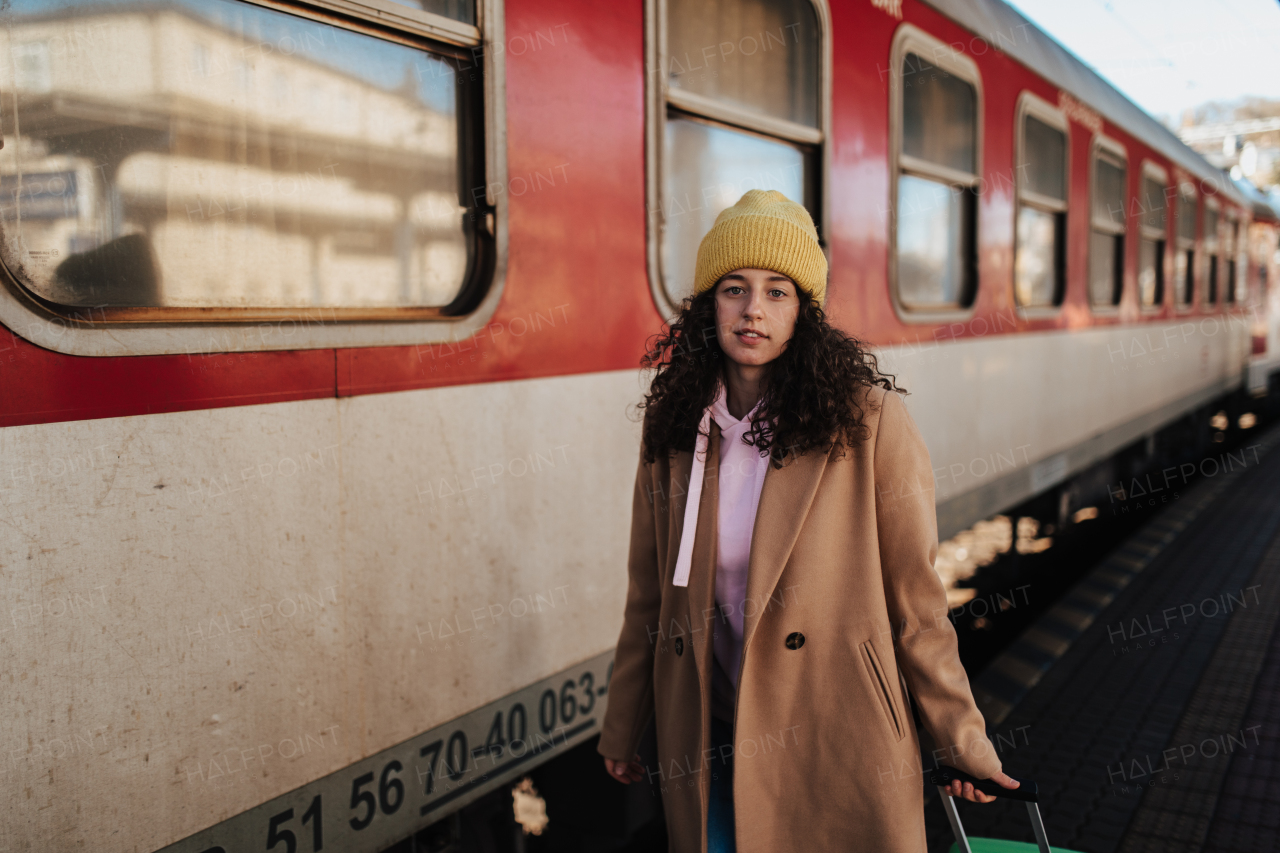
(764, 230)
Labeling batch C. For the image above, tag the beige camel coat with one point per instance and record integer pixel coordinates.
(842, 552)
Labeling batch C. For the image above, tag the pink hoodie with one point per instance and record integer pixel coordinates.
(741, 478)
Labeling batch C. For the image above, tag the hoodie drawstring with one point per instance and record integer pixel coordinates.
(685, 558)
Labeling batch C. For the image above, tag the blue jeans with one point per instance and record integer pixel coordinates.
(720, 830)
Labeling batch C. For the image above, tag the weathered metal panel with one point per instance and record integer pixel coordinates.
(341, 574)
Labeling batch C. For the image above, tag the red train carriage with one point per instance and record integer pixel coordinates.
(321, 322)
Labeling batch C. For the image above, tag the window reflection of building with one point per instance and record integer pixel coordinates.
(196, 138)
(749, 119)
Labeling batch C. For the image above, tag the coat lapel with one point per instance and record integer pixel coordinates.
(702, 568)
(784, 502)
(702, 573)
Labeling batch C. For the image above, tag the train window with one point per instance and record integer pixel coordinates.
(939, 116)
(1151, 247)
(937, 103)
(215, 159)
(770, 64)
(1044, 152)
(1186, 214)
(1185, 260)
(1210, 237)
(1229, 249)
(738, 106)
(935, 236)
(700, 154)
(1041, 177)
(1152, 203)
(458, 10)
(1107, 227)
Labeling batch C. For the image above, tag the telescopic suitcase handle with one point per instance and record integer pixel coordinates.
(1026, 791)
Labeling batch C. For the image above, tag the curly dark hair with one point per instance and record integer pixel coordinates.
(813, 394)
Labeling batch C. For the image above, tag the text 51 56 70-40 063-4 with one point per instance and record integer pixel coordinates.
(390, 795)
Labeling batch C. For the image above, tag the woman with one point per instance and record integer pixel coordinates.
(781, 571)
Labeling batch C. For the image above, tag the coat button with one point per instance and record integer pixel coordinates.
(794, 640)
(680, 646)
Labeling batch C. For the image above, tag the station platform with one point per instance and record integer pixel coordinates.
(1146, 702)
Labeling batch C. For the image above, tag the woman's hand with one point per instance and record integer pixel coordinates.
(625, 772)
(972, 794)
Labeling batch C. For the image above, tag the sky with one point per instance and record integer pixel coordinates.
(1169, 55)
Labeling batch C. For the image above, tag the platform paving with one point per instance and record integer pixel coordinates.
(1148, 708)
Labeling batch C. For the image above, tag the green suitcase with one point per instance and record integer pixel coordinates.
(1026, 792)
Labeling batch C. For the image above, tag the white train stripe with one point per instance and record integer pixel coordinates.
(389, 796)
(1006, 416)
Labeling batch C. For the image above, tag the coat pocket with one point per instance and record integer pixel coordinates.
(880, 680)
